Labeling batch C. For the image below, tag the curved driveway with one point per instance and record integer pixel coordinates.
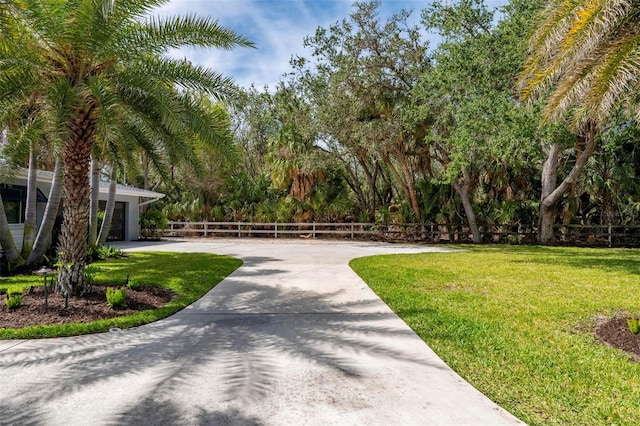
(293, 337)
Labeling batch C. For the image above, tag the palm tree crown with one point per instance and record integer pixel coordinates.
(585, 56)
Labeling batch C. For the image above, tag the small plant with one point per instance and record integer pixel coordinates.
(104, 252)
(14, 291)
(134, 285)
(13, 302)
(116, 297)
(634, 324)
(108, 252)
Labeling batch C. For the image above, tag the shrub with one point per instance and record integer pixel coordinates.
(152, 222)
(634, 324)
(116, 297)
(13, 302)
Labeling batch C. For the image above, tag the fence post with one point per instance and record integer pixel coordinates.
(206, 228)
(352, 230)
(238, 229)
(276, 233)
(314, 230)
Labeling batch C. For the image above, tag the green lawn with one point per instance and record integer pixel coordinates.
(516, 322)
(190, 275)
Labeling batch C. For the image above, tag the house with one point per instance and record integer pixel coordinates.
(124, 226)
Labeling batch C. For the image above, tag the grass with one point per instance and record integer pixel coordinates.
(190, 275)
(516, 322)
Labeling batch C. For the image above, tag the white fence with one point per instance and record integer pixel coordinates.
(580, 235)
(275, 230)
(370, 231)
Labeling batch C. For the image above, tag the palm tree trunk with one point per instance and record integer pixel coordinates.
(43, 239)
(75, 225)
(6, 240)
(108, 213)
(30, 217)
(93, 211)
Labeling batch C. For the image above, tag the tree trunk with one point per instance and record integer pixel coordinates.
(93, 209)
(43, 239)
(552, 194)
(108, 211)
(549, 182)
(72, 252)
(354, 184)
(463, 191)
(411, 189)
(372, 177)
(406, 183)
(145, 183)
(6, 240)
(29, 230)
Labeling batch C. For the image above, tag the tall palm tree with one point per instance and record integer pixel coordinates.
(100, 66)
(585, 56)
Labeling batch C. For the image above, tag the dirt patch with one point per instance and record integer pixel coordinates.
(88, 308)
(614, 332)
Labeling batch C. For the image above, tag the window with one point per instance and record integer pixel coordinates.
(13, 198)
(13, 209)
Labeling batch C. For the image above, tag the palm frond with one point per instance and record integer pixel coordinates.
(583, 59)
(158, 35)
(187, 76)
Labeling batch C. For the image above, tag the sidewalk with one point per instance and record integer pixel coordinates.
(293, 337)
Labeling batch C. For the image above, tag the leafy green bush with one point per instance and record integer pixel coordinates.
(152, 222)
(13, 302)
(634, 324)
(116, 297)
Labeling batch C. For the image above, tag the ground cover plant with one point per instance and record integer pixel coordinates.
(519, 324)
(171, 281)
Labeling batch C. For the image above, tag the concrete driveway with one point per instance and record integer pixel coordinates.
(293, 337)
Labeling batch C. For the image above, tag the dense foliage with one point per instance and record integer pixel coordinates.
(377, 124)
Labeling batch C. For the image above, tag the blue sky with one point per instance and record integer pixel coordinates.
(277, 27)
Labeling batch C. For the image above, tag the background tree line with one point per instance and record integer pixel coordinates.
(493, 125)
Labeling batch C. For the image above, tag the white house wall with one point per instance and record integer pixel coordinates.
(131, 211)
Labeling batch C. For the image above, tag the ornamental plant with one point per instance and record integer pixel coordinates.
(116, 297)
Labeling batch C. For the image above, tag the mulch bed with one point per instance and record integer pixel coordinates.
(88, 308)
(614, 332)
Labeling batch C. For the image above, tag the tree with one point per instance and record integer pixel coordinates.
(364, 71)
(475, 126)
(99, 66)
(583, 61)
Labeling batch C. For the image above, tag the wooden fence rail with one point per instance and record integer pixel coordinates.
(587, 235)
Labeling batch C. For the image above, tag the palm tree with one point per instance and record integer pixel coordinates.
(584, 61)
(98, 67)
(585, 56)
